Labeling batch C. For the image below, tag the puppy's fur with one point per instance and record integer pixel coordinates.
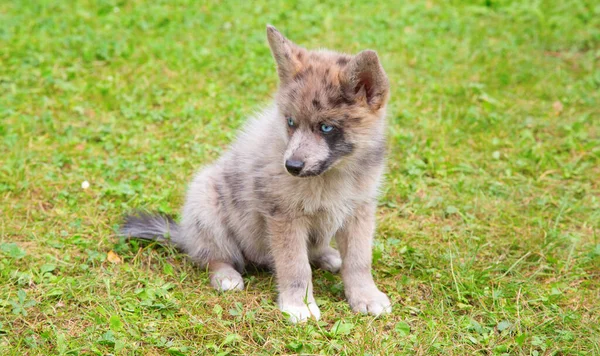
(304, 170)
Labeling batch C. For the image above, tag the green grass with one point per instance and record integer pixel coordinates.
(489, 223)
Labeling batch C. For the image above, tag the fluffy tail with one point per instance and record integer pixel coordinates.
(150, 227)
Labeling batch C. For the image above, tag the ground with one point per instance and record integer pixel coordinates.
(488, 235)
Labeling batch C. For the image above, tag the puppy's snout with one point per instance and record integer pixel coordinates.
(294, 167)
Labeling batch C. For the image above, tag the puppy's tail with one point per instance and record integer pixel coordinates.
(146, 226)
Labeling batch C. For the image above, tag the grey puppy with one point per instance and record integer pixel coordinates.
(303, 170)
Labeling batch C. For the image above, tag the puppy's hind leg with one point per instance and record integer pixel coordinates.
(224, 265)
(212, 248)
(326, 258)
(321, 254)
(224, 277)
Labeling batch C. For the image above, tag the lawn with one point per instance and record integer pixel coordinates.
(488, 235)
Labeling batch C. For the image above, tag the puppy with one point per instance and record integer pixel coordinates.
(305, 169)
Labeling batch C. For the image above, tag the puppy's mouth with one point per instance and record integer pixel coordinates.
(307, 174)
(311, 173)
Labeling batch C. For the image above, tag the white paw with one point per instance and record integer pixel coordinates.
(227, 281)
(300, 313)
(370, 301)
(330, 261)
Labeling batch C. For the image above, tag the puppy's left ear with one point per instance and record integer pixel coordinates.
(288, 56)
(365, 80)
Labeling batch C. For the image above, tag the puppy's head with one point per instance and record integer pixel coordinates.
(331, 104)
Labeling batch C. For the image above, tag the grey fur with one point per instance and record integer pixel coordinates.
(246, 208)
(150, 227)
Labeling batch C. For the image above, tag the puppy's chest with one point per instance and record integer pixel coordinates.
(328, 203)
(329, 200)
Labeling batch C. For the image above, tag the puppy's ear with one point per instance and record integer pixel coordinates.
(288, 56)
(364, 79)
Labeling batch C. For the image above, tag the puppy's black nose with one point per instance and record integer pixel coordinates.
(293, 166)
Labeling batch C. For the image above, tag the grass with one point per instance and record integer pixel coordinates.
(488, 228)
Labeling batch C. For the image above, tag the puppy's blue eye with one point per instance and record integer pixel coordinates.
(326, 128)
(290, 122)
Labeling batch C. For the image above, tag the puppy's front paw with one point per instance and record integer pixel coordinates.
(300, 312)
(370, 301)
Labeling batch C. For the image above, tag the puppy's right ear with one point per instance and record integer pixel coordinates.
(288, 56)
(365, 80)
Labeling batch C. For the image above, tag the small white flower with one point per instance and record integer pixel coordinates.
(85, 184)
